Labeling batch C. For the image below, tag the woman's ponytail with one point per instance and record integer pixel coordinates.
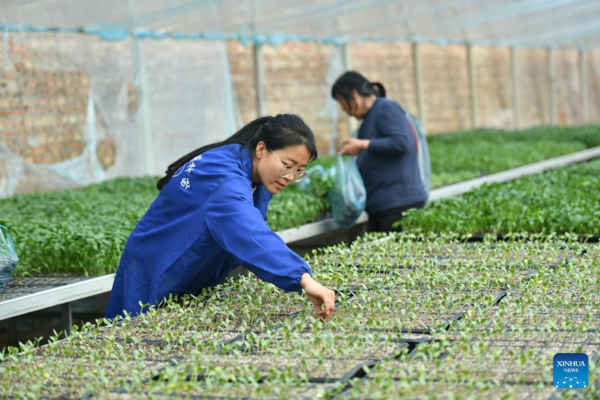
(379, 88)
(276, 132)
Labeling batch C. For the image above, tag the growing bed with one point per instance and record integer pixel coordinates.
(485, 327)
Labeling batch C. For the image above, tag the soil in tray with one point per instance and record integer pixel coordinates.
(520, 309)
(407, 299)
(373, 262)
(266, 367)
(173, 336)
(344, 345)
(554, 319)
(168, 327)
(343, 280)
(259, 303)
(573, 296)
(506, 251)
(233, 390)
(466, 278)
(221, 323)
(399, 322)
(482, 261)
(62, 377)
(518, 362)
(458, 389)
(429, 279)
(45, 281)
(509, 338)
(410, 247)
(93, 348)
(412, 307)
(18, 287)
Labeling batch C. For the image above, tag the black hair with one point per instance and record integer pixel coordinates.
(276, 132)
(351, 80)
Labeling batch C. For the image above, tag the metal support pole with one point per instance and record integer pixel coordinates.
(585, 111)
(67, 318)
(516, 94)
(259, 80)
(351, 123)
(416, 54)
(144, 99)
(346, 58)
(472, 88)
(551, 87)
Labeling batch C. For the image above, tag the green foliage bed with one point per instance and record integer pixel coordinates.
(460, 156)
(84, 231)
(566, 200)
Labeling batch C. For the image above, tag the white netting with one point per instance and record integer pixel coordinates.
(145, 101)
(535, 23)
(128, 86)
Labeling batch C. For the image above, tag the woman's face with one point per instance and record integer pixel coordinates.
(268, 165)
(356, 108)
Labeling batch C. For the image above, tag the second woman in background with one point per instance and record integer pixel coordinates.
(386, 151)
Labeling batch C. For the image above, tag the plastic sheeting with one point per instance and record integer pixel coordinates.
(155, 93)
(182, 99)
(537, 23)
(8, 257)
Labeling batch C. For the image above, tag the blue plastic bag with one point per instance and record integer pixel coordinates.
(8, 257)
(418, 131)
(347, 195)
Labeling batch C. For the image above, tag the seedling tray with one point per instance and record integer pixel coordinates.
(19, 287)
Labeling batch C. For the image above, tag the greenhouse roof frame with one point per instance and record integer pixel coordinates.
(514, 23)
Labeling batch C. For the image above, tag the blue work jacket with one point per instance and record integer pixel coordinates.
(204, 223)
(389, 167)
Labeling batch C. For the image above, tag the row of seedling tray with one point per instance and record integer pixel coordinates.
(415, 317)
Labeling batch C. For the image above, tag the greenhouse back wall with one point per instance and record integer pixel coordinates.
(130, 107)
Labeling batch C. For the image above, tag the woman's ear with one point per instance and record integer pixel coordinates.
(261, 149)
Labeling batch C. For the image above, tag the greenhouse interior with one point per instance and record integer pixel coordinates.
(438, 238)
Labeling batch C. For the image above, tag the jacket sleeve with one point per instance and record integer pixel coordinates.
(239, 228)
(396, 137)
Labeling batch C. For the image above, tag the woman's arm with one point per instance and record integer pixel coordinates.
(396, 137)
(238, 228)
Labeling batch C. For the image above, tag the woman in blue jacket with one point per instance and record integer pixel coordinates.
(386, 151)
(210, 217)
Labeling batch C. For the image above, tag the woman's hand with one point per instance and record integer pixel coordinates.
(352, 147)
(322, 298)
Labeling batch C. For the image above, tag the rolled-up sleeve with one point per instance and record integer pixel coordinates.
(239, 228)
(396, 137)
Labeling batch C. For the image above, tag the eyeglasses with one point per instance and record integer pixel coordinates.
(290, 172)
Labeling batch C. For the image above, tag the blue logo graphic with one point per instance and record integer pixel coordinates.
(571, 371)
